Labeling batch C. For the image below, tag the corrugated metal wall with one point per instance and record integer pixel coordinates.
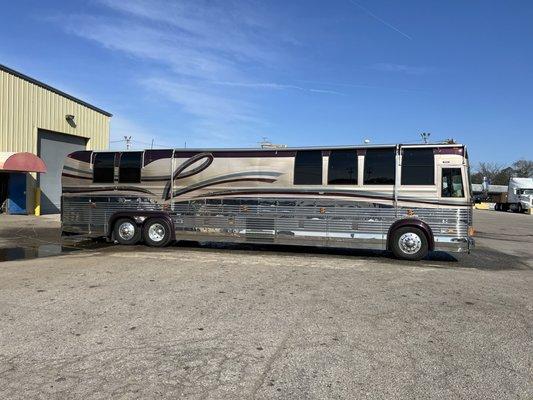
(25, 107)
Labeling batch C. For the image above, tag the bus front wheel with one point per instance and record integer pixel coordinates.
(409, 243)
(126, 231)
(156, 232)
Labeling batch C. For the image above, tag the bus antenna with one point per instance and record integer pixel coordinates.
(425, 137)
(127, 139)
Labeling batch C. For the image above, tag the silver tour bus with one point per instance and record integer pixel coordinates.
(406, 198)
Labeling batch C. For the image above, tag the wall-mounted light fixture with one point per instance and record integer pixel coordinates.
(70, 120)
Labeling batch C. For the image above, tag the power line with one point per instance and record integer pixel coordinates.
(152, 144)
(130, 142)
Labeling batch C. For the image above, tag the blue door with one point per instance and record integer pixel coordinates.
(16, 194)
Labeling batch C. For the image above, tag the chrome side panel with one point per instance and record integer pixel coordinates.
(334, 223)
(294, 221)
(286, 221)
(89, 215)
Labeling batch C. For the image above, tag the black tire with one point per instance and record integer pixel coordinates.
(156, 232)
(407, 235)
(497, 207)
(520, 209)
(122, 231)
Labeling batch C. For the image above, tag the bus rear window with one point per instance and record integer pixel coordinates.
(104, 168)
(130, 167)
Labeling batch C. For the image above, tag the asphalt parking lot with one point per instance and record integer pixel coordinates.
(225, 322)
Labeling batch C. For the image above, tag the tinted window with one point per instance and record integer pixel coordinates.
(130, 168)
(379, 167)
(308, 168)
(452, 183)
(104, 168)
(154, 155)
(418, 167)
(342, 167)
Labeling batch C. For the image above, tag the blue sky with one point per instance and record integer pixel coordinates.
(227, 73)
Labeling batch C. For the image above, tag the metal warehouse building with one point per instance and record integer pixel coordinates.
(39, 126)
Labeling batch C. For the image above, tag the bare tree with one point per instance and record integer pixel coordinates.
(523, 168)
(499, 175)
(488, 170)
(503, 176)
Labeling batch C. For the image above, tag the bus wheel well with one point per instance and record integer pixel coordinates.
(414, 223)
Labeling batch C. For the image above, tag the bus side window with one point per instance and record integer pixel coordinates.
(342, 167)
(130, 167)
(104, 168)
(308, 167)
(452, 183)
(418, 167)
(380, 167)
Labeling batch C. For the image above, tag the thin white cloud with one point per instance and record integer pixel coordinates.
(151, 44)
(380, 20)
(324, 91)
(233, 29)
(189, 50)
(218, 117)
(198, 101)
(402, 68)
(274, 86)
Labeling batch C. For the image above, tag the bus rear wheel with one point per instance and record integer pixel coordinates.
(126, 231)
(156, 232)
(409, 243)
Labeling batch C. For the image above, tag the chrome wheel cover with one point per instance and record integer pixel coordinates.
(156, 232)
(410, 243)
(126, 231)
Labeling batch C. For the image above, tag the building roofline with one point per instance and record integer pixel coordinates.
(54, 90)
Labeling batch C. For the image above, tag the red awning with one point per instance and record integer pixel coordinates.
(21, 162)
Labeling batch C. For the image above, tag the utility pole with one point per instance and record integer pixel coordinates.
(425, 136)
(152, 146)
(127, 139)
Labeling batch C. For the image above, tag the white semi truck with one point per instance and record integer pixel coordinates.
(519, 196)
